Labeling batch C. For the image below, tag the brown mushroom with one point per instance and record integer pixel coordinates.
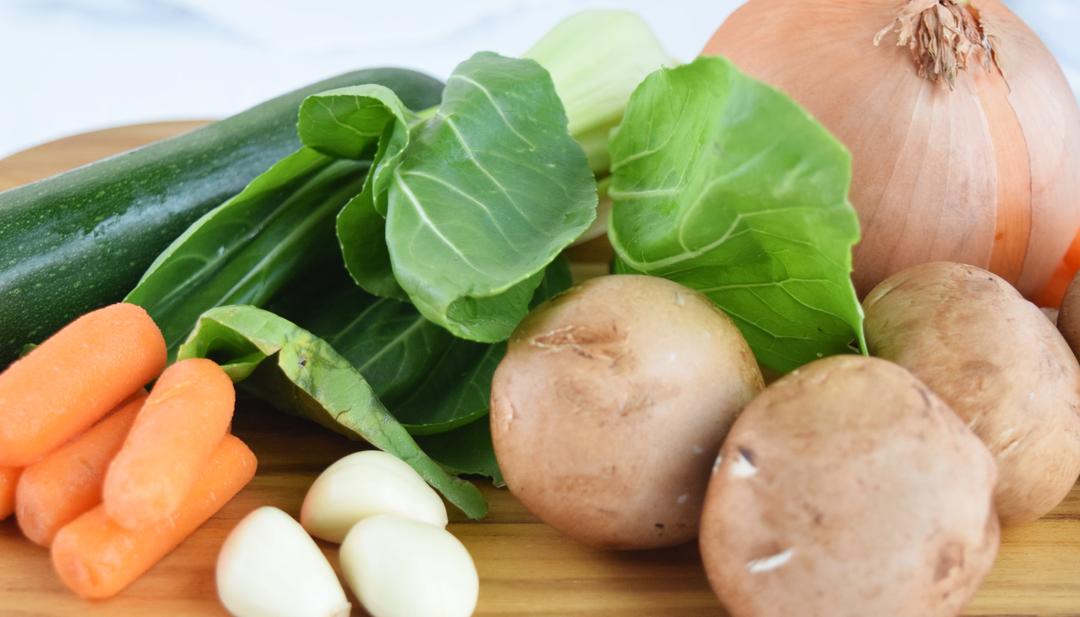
(849, 488)
(610, 404)
(999, 363)
(1068, 320)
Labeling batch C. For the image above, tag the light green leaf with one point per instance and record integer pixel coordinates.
(596, 58)
(490, 189)
(725, 185)
(298, 372)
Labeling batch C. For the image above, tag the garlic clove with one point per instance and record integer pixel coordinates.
(270, 567)
(399, 567)
(364, 484)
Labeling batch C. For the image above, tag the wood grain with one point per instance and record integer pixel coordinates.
(526, 569)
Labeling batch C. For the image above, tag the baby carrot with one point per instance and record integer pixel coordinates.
(96, 558)
(184, 419)
(9, 476)
(57, 489)
(78, 375)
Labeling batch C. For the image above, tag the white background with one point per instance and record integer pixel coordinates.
(74, 65)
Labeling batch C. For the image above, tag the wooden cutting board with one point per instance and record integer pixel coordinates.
(526, 569)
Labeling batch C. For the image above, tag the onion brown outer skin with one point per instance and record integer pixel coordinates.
(983, 174)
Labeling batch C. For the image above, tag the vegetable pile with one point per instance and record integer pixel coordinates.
(400, 278)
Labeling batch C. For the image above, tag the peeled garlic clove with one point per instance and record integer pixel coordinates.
(270, 567)
(400, 567)
(365, 484)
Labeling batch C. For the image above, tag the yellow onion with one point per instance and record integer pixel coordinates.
(964, 133)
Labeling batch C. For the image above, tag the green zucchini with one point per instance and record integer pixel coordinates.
(80, 240)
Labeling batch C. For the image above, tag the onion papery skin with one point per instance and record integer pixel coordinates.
(986, 172)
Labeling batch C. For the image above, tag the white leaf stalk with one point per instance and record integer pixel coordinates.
(596, 59)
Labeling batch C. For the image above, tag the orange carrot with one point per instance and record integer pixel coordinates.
(96, 558)
(57, 489)
(9, 477)
(78, 375)
(185, 418)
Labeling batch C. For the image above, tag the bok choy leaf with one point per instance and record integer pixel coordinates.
(725, 185)
(344, 123)
(246, 249)
(466, 450)
(243, 251)
(478, 198)
(430, 381)
(298, 372)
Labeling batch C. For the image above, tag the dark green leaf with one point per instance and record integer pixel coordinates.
(430, 381)
(345, 123)
(465, 451)
(557, 279)
(298, 372)
(244, 250)
(727, 186)
(247, 248)
(388, 341)
(456, 391)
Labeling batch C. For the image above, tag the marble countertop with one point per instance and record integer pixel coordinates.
(78, 65)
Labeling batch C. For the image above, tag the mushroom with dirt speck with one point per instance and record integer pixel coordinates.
(868, 496)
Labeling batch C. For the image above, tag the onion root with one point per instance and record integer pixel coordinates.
(944, 37)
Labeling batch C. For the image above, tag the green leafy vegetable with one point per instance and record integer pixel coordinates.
(345, 122)
(466, 450)
(388, 341)
(457, 389)
(436, 386)
(244, 250)
(481, 197)
(300, 373)
(429, 381)
(478, 198)
(727, 186)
